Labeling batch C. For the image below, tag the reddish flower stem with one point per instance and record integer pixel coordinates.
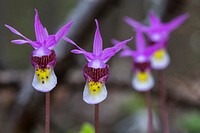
(47, 115)
(149, 111)
(164, 112)
(96, 115)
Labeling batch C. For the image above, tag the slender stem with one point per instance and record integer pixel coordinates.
(164, 112)
(47, 117)
(149, 111)
(96, 115)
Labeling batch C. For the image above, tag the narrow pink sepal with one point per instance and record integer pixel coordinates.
(40, 32)
(97, 44)
(63, 31)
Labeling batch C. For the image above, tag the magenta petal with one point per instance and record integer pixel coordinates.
(40, 32)
(134, 24)
(120, 45)
(87, 55)
(154, 20)
(34, 44)
(97, 44)
(50, 42)
(114, 41)
(76, 51)
(19, 41)
(72, 42)
(126, 53)
(149, 51)
(15, 32)
(63, 31)
(109, 52)
(175, 23)
(140, 42)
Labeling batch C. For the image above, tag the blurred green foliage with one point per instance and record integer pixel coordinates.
(135, 103)
(87, 128)
(190, 122)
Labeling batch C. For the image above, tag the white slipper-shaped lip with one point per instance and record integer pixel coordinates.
(44, 81)
(94, 98)
(143, 85)
(162, 62)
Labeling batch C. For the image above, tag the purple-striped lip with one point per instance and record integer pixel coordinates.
(96, 74)
(142, 66)
(44, 61)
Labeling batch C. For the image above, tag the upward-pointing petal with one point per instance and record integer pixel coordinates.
(63, 31)
(40, 32)
(97, 44)
(154, 20)
(140, 42)
(175, 23)
(109, 52)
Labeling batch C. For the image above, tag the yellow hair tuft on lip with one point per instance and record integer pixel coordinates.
(94, 87)
(43, 75)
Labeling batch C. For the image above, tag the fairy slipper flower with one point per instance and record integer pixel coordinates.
(158, 32)
(96, 71)
(43, 58)
(142, 78)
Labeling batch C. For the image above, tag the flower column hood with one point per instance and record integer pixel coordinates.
(96, 71)
(43, 58)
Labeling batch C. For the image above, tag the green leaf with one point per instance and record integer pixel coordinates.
(87, 128)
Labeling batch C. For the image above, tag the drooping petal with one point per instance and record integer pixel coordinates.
(97, 44)
(109, 52)
(19, 41)
(63, 31)
(33, 44)
(160, 59)
(143, 81)
(94, 95)
(40, 32)
(175, 23)
(44, 80)
(72, 42)
(88, 56)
